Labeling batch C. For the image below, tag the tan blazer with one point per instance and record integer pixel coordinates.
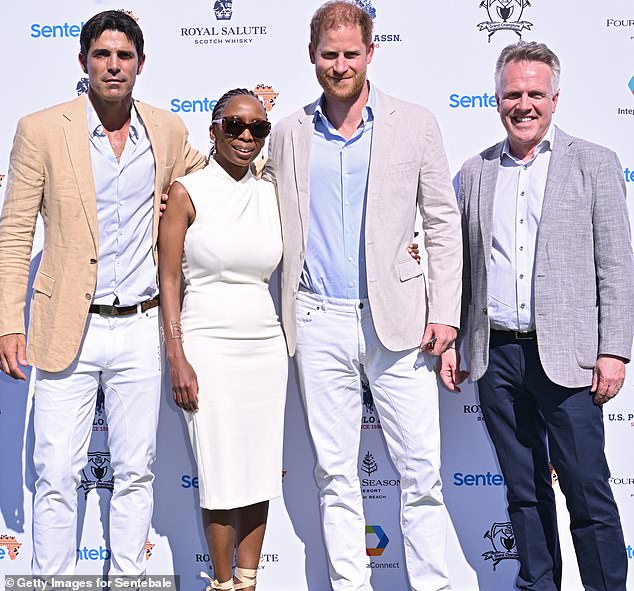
(50, 173)
(408, 171)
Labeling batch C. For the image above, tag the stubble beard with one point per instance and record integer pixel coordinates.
(346, 93)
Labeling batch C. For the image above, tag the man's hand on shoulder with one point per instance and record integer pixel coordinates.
(448, 368)
(608, 378)
(12, 355)
(438, 338)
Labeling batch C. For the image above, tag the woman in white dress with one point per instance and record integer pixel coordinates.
(228, 362)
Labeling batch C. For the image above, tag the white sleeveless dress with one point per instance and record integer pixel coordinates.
(233, 339)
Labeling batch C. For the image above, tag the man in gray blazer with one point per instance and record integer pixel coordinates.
(548, 296)
(352, 169)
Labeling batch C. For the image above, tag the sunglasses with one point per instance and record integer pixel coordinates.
(235, 126)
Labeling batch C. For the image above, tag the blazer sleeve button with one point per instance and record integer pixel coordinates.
(485, 311)
(88, 296)
(93, 261)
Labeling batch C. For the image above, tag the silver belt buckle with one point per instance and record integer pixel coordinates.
(108, 310)
(523, 336)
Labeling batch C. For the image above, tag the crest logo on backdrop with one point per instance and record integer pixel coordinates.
(503, 542)
(505, 15)
(97, 473)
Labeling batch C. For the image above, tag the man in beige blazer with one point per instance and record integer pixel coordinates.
(94, 169)
(352, 169)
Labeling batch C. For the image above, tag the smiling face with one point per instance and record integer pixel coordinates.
(236, 153)
(341, 60)
(112, 65)
(526, 103)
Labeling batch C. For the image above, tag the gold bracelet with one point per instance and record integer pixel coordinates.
(176, 330)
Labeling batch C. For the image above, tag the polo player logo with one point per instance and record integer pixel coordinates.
(82, 86)
(223, 9)
(509, 11)
(367, 6)
(503, 541)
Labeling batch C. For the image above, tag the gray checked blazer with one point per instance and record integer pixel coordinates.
(584, 270)
(408, 171)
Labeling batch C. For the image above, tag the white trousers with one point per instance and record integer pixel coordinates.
(123, 354)
(336, 344)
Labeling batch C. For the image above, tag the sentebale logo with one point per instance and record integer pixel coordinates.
(9, 546)
(267, 95)
(509, 11)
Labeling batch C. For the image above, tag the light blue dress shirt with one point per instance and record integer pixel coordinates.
(335, 252)
(125, 208)
(517, 209)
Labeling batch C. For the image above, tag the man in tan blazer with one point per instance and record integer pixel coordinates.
(94, 169)
(352, 169)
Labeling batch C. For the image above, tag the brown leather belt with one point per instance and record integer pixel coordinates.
(123, 310)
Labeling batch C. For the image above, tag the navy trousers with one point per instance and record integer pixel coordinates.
(532, 421)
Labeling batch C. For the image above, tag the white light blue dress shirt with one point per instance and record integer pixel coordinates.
(517, 209)
(125, 207)
(335, 252)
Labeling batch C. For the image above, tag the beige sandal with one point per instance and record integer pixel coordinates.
(215, 585)
(246, 577)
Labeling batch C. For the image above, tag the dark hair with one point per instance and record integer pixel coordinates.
(340, 13)
(222, 103)
(226, 97)
(111, 20)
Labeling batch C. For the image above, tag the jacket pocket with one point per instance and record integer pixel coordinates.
(44, 284)
(409, 269)
(587, 336)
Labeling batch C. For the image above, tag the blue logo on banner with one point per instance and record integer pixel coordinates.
(55, 31)
(488, 479)
(203, 105)
(472, 101)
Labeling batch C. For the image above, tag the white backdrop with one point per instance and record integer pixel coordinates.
(440, 54)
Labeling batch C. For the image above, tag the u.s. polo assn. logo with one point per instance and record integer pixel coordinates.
(509, 11)
(367, 6)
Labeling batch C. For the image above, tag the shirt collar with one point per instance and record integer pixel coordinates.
(546, 145)
(368, 110)
(95, 127)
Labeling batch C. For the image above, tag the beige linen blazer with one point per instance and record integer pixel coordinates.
(50, 174)
(408, 172)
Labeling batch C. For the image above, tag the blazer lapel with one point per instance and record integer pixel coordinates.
(75, 126)
(558, 169)
(302, 137)
(153, 129)
(382, 145)
(488, 181)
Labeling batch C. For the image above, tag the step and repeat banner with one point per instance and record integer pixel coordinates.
(439, 54)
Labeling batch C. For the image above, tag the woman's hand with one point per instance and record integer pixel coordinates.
(184, 384)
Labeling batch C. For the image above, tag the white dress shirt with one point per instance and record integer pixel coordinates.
(517, 208)
(125, 209)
